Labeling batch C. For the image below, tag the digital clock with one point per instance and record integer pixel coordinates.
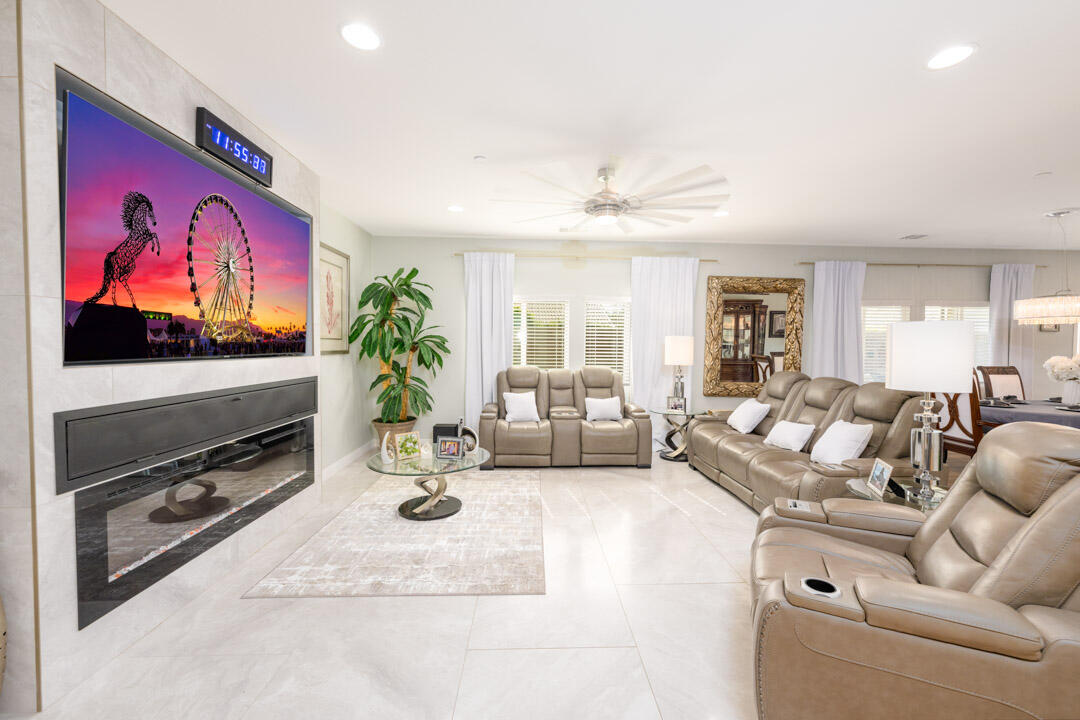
(224, 143)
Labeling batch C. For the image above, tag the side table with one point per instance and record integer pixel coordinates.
(857, 486)
(678, 422)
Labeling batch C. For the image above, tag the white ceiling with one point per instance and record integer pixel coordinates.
(821, 114)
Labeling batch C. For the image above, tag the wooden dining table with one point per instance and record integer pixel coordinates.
(1033, 411)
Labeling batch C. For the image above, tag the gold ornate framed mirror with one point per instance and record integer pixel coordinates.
(753, 327)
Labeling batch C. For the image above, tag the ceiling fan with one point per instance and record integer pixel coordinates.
(651, 205)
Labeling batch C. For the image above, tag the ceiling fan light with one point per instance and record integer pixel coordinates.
(721, 212)
(607, 219)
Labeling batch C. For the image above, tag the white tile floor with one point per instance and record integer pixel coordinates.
(647, 615)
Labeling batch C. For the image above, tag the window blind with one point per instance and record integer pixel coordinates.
(607, 336)
(875, 325)
(978, 315)
(540, 333)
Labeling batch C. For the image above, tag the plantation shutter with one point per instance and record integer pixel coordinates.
(540, 333)
(607, 336)
(875, 325)
(978, 315)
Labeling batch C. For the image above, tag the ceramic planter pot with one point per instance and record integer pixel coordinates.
(382, 428)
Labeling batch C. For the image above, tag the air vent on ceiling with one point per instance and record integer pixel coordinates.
(916, 236)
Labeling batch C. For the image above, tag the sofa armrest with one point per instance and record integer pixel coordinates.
(950, 616)
(486, 432)
(490, 412)
(634, 411)
(873, 516)
(901, 466)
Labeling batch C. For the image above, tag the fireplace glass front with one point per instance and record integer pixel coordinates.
(136, 529)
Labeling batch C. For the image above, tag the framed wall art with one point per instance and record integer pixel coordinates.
(333, 300)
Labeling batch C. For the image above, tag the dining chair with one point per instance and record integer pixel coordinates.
(763, 367)
(777, 361)
(1001, 380)
(961, 422)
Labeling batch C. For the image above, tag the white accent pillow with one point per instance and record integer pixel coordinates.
(789, 435)
(521, 407)
(841, 441)
(603, 409)
(747, 416)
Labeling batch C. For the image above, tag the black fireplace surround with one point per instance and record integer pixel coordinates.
(159, 482)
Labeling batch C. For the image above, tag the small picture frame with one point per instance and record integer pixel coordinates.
(676, 404)
(1049, 327)
(407, 445)
(450, 448)
(777, 323)
(879, 478)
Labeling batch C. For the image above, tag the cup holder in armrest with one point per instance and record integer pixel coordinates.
(819, 587)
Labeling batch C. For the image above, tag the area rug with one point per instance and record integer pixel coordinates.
(493, 546)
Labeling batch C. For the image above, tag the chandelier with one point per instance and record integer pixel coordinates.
(1061, 308)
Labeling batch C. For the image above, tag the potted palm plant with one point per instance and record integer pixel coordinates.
(391, 327)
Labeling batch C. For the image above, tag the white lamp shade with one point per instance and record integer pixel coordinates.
(930, 356)
(679, 350)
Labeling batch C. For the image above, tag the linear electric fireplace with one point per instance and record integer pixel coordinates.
(223, 459)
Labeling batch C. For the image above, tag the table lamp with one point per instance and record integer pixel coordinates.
(679, 351)
(929, 356)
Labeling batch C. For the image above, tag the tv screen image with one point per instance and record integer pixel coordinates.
(166, 258)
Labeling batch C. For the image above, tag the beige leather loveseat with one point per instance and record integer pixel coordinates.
(564, 436)
(758, 473)
(973, 612)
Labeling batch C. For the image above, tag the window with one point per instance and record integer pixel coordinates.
(875, 324)
(540, 333)
(607, 336)
(979, 315)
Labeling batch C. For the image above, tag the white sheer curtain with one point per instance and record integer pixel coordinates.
(489, 326)
(1011, 344)
(836, 347)
(661, 304)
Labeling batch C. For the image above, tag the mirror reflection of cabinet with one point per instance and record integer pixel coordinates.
(742, 335)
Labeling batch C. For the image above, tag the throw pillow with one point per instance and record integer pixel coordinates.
(603, 409)
(521, 407)
(789, 435)
(841, 441)
(747, 416)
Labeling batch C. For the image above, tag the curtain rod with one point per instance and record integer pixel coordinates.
(556, 256)
(918, 265)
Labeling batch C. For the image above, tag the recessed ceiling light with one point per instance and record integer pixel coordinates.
(455, 208)
(721, 213)
(951, 56)
(360, 36)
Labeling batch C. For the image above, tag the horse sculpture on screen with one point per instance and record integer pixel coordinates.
(137, 211)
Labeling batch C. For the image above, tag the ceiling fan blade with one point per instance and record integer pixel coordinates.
(556, 185)
(661, 215)
(675, 181)
(642, 218)
(696, 201)
(683, 188)
(567, 203)
(583, 224)
(625, 225)
(545, 217)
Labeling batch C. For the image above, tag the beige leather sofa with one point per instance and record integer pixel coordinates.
(757, 473)
(973, 612)
(563, 437)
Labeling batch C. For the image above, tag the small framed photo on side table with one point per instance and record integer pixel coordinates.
(450, 447)
(879, 478)
(676, 404)
(407, 445)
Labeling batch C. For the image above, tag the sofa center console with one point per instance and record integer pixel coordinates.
(881, 525)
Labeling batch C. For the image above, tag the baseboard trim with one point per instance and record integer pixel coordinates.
(348, 459)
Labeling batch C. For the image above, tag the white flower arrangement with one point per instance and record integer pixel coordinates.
(1062, 368)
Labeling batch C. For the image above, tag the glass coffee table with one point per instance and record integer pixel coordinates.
(678, 420)
(436, 504)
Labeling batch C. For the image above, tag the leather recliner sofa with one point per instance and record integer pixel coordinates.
(757, 473)
(563, 436)
(972, 612)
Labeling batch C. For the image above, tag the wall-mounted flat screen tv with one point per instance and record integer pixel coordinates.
(169, 254)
